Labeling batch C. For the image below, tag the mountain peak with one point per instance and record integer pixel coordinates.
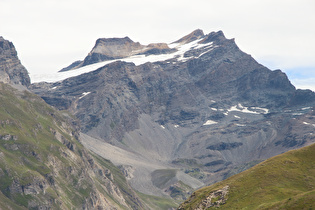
(111, 48)
(115, 47)
(114, 41)
(201, 103)
(196, 34)
(214, 36)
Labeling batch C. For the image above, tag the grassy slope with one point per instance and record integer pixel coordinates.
(155, 202)
(28, 157)
(286, 181)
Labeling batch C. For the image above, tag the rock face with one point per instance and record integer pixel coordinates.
(208, 109)
(107, 49)
(11, 69)
(197, 34)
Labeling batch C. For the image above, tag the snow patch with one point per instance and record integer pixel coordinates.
(162, 126)
(214, 109)
(176, 126)
(241, 125)
(59, 76)
(306, 123)
(237, 116)
(241, 108)
(206, 51)
(84, 94)
(234, 108)
(265, 110)
(186, 47)
(210, 122)
(306, 108)
(245, 110)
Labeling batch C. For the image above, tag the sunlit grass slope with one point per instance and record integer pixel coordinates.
(286, 181)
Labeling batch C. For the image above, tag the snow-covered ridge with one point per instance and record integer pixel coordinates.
(136, 59)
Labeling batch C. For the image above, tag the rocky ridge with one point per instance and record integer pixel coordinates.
(204, 108)
(11, 69)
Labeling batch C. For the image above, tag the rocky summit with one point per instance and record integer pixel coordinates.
(115, 48)
(184, 114)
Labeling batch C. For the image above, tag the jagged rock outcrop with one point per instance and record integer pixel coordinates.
(214, 199)
(11, 69)
(206, 106)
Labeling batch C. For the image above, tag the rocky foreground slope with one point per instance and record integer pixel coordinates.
(44, 166)
(197, 112)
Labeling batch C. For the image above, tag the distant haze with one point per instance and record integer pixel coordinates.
(51, 34)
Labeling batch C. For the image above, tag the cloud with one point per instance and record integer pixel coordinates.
(305, 83)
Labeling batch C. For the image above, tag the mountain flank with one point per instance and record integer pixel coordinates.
(200, 111)
(43, 165)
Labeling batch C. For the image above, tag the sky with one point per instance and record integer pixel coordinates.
(51, 34)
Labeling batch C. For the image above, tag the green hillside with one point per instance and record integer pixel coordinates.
(286, 181)
(43, 165)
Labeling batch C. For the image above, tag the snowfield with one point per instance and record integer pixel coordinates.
(136, 59)
(240, 108)
(210, 122)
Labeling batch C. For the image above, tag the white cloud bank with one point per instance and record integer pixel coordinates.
(307, 83)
